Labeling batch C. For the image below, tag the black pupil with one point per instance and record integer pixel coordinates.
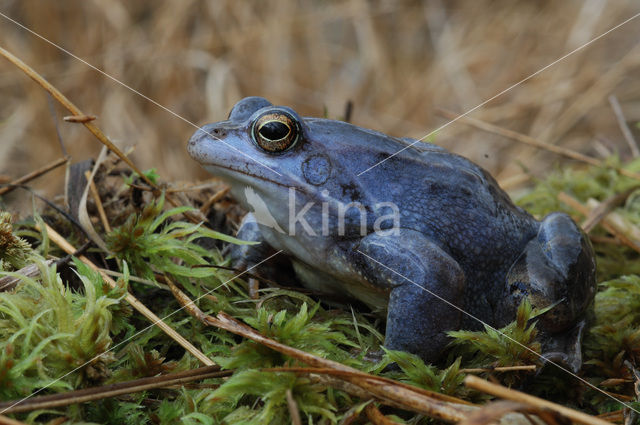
(274, 130)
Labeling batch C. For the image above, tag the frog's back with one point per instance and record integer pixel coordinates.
(454, 201)
(440, 194)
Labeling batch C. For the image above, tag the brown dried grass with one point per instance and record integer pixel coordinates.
(397, 61)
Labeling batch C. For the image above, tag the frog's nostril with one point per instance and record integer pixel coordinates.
(216, 132)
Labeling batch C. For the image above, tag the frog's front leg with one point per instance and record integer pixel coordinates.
(247, 257)
(420, 275)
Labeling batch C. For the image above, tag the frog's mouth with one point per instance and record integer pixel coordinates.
(249, 178)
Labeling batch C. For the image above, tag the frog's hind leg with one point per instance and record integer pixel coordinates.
(421, 277)
(557, 269)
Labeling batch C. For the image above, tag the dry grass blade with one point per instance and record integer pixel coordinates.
(528, 140)
(599, 213)
(492, 412)
(133, 301)
(86, 122)
(615, 416)
(8, 421)
(79, 118)
(606, 223)
(32, 175)
(7, 283)
(530, 368)
(354, 374)
(622, 122)
(376, 417)
(112, 390)
(214, 198)
(96, 198)
(74, 110)
(294, 412)
(517, 396)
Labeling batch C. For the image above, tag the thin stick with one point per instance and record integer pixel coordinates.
(476, 383)
(609, 204)
(528, 140)
(113, 390)
(133, 301)
(75, 111)
(531, 367)
(294, 412)
(7, 283)
(215, 198)
(98, 201)
(34, 174)
(622, 123)
(390, 392)
(8, 421)
(376, 417)
(584, 210)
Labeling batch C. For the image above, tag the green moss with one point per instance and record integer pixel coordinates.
(15, 252)
(48, 331)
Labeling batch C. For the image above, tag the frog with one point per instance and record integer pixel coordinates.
(422, 236)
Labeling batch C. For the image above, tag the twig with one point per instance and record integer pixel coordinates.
(7, 283)
(626, 132)
(390, 392)
(68, 248)
(491, 413)
(8, 421)
(528, 140)
(34, 174)
(499, 369)
(112, 390)
(584, 210)
(294, 412)
(476, 383)
(599, 213)
(98, 201)
(215, 198)
(79, 118)
(376, 417)
(75, 111)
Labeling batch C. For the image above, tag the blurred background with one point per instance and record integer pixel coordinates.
(397, 61)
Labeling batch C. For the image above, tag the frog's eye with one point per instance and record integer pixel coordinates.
(275, 132)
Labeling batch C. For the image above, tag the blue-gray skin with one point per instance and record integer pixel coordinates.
(459, 237)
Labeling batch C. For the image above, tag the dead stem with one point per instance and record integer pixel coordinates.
(513, 395)
(32, 175)
(112, 390)
(528, 140)
(96, 198)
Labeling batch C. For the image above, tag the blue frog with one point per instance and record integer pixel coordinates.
(426, 237)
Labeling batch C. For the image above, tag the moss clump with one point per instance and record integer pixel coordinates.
(15, 252)
(48, 331)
